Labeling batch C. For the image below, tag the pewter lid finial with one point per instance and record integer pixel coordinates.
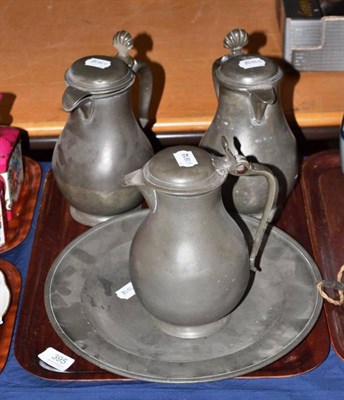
(123, 43)
(236, 40)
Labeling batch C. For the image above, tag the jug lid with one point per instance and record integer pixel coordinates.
(184, 170)
(103, 74)
(245, 71)
(99, 74)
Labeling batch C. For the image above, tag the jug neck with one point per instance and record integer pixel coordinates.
(105, 108)
(154, 195)
(190, 206)
(74, 98)
(254, 102)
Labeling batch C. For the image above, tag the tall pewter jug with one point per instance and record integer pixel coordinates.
(250, 116)
(102, 141)
(189, 261)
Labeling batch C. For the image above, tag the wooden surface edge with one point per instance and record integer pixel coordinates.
(310, 168)
(13, 279)
(304, 120)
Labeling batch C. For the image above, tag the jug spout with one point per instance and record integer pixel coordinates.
(136, 179)
(72, 98)
(259, 100)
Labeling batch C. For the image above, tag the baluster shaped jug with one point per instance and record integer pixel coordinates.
(102, 141)
(250, 116)
(189, 261)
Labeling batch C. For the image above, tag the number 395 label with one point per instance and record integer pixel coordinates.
(56, 359)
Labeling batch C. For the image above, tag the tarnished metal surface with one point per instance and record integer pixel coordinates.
(279, 310)
(101, 140)
(192, 279)
(250, 116)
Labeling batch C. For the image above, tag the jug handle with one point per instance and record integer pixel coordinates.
(123, 42)
(259, 169)
(239, 166)
(146, 90)
(216, 65)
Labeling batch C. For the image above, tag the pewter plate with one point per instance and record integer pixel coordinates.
(118, 335)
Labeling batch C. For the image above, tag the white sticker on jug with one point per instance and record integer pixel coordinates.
(185, 158)
(252, 63)
(126, 291)
(98, 63)
(56, 359)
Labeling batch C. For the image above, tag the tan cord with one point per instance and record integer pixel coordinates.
(340, 292)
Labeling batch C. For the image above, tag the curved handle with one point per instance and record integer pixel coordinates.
(123, 42)
(146, 90)
(239, 166)
(216, 65)
(259, 169)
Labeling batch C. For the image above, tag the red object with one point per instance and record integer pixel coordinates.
(3, 222)
(9, 138)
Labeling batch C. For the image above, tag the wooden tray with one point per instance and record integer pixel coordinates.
(56, 229)
(323, 190)
(13, 281)
(23, 209)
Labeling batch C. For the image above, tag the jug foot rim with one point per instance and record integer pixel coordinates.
(191, 332)
(86, 218)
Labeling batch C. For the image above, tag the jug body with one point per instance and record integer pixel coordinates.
(189, 261)
(100, 143)
(250, 116)
(269, 142)
(189, 266)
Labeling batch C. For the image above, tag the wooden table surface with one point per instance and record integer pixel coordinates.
(180, 39)
(56, 229)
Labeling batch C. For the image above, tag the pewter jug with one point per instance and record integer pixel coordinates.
(250, 116)
(189, 262)
(102, 141)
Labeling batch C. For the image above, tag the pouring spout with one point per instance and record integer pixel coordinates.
(72, 98)
(136, 179)
(259, 100)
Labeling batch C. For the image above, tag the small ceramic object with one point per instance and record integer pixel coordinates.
(102, 141)
(11, 165)
(5, 296)
(3, 219)
(189, 262)
(250, 116)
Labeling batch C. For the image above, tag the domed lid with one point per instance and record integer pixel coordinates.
(102, 74)
(99, 74)
(245, 71)
(182, 170)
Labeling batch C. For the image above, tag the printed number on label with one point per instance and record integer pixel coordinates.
(56, 359)
(98, 63)
(252, 63)
(185, 158)
(126, 291)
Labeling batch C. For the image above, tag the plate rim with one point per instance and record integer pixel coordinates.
(317, 307)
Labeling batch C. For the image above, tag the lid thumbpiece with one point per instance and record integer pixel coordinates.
(236, 40)
(123, 43)
(241, 71)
